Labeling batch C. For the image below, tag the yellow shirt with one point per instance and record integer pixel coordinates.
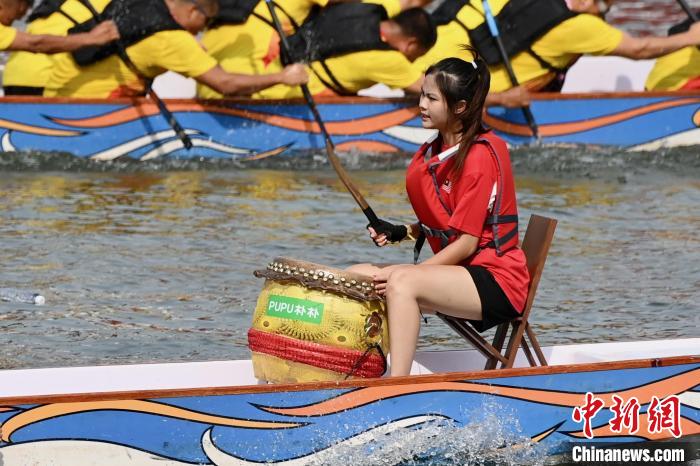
(673, 71)
(250, 48)
(33, 69)
(176, 51)
(583, 34)
(451, 36)
(355, 71)
(7, 36)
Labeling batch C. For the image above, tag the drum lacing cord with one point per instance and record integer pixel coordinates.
(363, 356)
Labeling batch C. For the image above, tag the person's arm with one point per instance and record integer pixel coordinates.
(514, 97)
(103, 33)
(639, 48)
(455, 252)
(414, 88)
(246, 84)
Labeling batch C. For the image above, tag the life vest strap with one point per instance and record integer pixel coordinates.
(501, 240)
(334, 84)
(500, 219)
(492, 220)
(426, 231)
(135, 20)
(444, 235)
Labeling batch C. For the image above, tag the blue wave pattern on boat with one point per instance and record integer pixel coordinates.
(283, 426)
(106, 131)
(624, 122)
(110, 131)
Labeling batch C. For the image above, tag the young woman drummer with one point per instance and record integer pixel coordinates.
(461, 187)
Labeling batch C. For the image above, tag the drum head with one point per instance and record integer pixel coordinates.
(321, 277)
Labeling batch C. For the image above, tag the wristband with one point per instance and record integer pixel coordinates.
(409, 233)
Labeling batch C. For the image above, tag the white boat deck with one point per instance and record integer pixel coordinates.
(209, 374)
(470, 360)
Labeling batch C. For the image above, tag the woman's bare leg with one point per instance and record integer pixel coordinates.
(364, 269)
(371, 269)
(444, 288)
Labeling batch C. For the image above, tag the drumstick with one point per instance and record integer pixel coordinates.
(330, 148)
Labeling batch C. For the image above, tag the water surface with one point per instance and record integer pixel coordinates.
(143, 263)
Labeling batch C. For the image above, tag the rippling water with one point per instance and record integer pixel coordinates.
(154, 263)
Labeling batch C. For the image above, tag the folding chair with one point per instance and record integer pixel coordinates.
(535, 245)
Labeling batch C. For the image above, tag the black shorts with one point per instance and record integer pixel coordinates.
(495, 306)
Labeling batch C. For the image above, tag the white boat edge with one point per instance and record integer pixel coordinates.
(15, 383)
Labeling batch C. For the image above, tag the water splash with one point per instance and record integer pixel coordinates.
(495, 440)
(603, 162)
(570, 161)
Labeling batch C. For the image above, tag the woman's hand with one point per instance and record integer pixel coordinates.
(379, 239)
(387, 232)
(381, 277)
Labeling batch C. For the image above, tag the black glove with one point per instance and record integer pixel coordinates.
(394, 233)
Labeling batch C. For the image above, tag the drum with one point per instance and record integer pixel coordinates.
(317, 323)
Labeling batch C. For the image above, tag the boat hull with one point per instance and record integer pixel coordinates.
(248, 129)
(295, 424)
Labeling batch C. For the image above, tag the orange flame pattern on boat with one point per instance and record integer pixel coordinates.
(561, 129)
(42, 413)
(696, 118)
(359, 126)
(14, 126)
(365, 396)
(367, 146)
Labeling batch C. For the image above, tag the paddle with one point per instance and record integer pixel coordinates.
(493, 28)
(167, 114)
(688, 11)
(330, 147)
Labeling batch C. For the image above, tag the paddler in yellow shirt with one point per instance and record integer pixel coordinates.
(44, 42)
(243, 39)
(158, 35)
(354, 46)
(543, 38)
(27, 73)
(677, 71)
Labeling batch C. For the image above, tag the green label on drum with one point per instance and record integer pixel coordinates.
(294, 309)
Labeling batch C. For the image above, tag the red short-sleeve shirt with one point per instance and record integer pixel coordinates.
(470, 196)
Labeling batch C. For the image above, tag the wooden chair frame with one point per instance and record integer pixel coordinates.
(536, 243)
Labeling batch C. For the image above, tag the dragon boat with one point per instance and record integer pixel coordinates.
(253, 129)
(217, 413)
